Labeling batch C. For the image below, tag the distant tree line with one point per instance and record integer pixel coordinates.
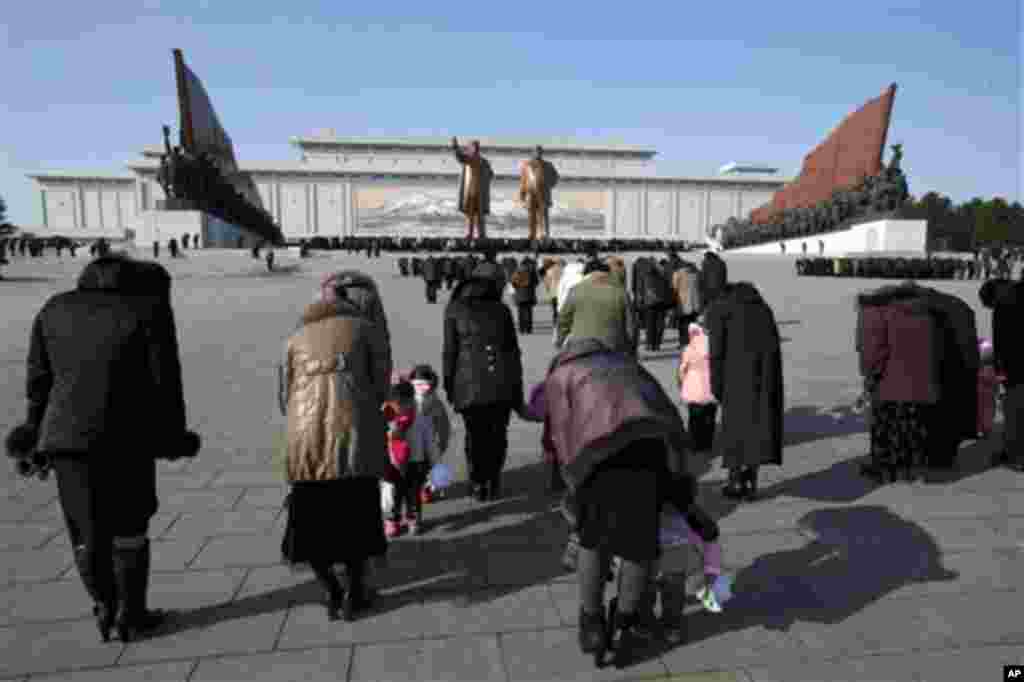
(963, 227)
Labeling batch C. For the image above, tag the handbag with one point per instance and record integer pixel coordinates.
(440, 476)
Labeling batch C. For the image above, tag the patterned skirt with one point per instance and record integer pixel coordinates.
(899, 433)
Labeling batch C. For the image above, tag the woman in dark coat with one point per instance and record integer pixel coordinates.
(713, 277)
(483, 377)
(105, 401)
(746, 378)
(900, 357)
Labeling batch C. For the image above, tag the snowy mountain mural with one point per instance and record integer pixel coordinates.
(428, 212)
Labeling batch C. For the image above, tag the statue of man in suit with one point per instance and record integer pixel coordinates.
(474, 188)
(537, 178)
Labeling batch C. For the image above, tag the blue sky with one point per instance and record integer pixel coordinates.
(87, 85)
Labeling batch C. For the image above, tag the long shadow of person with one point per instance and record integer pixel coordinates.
(857, 556)
(807, 423)
(518, 544)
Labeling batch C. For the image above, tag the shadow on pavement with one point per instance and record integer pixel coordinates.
(808, 423)
(836, 575)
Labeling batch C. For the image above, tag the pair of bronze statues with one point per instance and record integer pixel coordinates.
(537, 178)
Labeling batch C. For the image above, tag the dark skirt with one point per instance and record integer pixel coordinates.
(619, 504)
(900, 433)
(333, 522)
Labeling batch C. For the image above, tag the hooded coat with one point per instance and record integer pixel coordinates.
(482, 363)
(901, 344)
(597, 402)
(746, 377)
(103, 368)
(334, 433)
(713, 277)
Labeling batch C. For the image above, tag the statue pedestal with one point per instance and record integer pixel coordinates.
(880, 238)
(213, 233)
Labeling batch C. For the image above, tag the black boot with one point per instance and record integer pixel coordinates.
(334, 594)
(95, 567)
(628, 636)
(750, 484)
(131, 574)
(733, 489)
(494, 488)
(356, 597)
(593, 634)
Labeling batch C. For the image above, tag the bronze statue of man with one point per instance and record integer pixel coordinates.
(474, 188)
(537, 178)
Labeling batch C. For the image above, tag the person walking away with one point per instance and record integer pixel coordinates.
(524, 281)
(695, 388)
(332, 384)
(686, 287)
(746, 378)
(598, 308)
(483, 377)
(172, 247)
(410, 445)
(94, 397)
(432, 277)
(551, 273)
(156, 249)
(713, 278)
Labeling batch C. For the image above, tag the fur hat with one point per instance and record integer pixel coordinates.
(21, 441)
(424, 373)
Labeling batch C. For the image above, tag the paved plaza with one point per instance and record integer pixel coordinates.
(836, 579)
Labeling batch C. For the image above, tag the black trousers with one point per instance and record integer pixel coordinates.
(554, 313)
(682, 326)
(486, 441)
(102, 500)
(432, 288)
(702, 425)
(652, 324)
(525, 318)
(407, 491)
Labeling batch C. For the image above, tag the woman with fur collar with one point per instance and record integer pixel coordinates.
(333, 381)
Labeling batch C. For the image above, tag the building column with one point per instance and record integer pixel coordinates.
(644, 212)
(705, 222)
(42, 196)
(312, 198)
(611, 211)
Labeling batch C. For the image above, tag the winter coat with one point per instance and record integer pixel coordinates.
(597, 308)
(482, 363)
(431, 406)
(746, 377)
(1008, 334)
(598, 402)
(103, 367)
(484, 180)
(334, 433)
(651, 289)
(526, 295)
(491, 270)
(686, 285)
(713, 277)
(958, 368)
(552, 276)
(695, 371)
(432, 270)
(901, 344)
(572, 274)
(988, 384)
(618, 269)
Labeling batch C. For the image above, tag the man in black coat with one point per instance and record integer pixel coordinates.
(403, 266)
(483, 377)
(416, 263)
(713, 277)
(432, 277)
(525, 280)
(652, 296)
(450, 271)
(105, 401)
(746, 379)
(1006, 300)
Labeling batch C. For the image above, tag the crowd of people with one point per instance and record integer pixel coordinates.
(364, 439)
(982, 265)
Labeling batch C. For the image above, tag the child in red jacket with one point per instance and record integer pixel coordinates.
(989, 381)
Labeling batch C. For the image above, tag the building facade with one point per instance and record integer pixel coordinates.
(408, 186)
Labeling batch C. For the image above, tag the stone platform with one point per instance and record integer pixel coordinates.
(881, 238)
(836, 579)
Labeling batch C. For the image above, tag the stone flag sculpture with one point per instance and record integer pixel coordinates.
(851, 153)
(204, 139)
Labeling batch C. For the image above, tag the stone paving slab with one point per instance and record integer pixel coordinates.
(836, 578)
(314, 665)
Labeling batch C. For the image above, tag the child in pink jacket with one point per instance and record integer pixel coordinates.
(988, 385)
(695, 388)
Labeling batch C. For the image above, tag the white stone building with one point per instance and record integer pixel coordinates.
(407, 186)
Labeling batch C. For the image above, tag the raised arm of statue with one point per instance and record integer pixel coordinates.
(167, 140)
